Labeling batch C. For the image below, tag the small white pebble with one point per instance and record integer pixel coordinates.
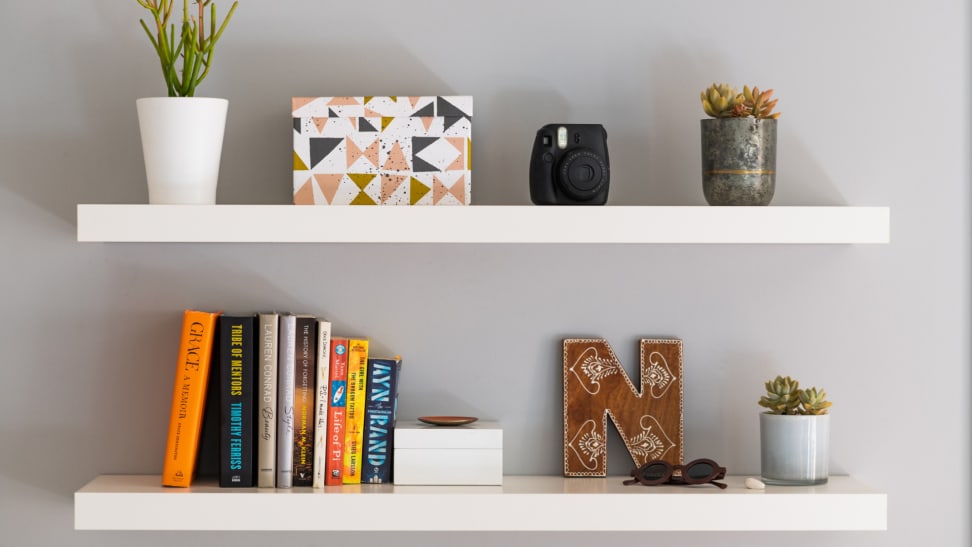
(755, 484)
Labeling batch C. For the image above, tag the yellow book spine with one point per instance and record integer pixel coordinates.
(188, 397)
(357, 399)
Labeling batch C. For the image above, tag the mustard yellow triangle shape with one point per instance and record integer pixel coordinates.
(416, 190)
(469, 154)
(385, 120)
(361, 180)
(363, 199)
(299, 164)
(367, 100)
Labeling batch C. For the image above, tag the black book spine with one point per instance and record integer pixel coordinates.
(237, 380)
(305, 394)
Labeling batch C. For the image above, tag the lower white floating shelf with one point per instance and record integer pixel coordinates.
(523, 503)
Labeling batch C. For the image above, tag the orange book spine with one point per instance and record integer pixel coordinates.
(189, 397)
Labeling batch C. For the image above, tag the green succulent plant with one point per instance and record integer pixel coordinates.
(759, 104)
(192, 44)
(784, 396)
(813, 401)
(722, 101)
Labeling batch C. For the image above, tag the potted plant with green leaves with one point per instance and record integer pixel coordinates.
(794, 434)
(182, 135)
(738, 146)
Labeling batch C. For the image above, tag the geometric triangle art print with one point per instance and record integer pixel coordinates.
(382, 150)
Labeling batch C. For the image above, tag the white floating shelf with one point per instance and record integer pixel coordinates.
(481, 224)
(545, 503)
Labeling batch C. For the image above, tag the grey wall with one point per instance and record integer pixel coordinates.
(875, 102)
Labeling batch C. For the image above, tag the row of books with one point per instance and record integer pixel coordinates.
(294, 405)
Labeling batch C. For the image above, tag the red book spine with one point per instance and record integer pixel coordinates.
(337, 411)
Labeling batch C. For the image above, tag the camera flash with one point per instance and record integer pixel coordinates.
(561, 137)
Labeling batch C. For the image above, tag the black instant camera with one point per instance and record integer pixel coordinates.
(569, 165)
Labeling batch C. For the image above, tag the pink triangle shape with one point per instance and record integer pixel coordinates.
(459, 189)
(340, 101)
(372, 152)
(305, 194)
(390, 183)
(439, 190)
(396, 159)
(353, 152)
(329, 185)
(300, 102)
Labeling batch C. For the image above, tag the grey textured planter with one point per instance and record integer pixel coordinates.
(738, 161)
(794, 450)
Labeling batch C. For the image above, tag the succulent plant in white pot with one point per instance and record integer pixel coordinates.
(794, 434)
(182, 135)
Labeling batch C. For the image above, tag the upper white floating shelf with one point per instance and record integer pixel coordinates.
(138, 502)
(480, 224)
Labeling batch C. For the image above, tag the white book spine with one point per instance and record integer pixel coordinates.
(266, 418)
(320, 413)
(287, 347)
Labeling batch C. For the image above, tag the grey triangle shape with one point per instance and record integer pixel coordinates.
(364, 126)
(332, 114)
(447, 109)
(421, 143)
(321, 147)
(452, 120)
(425, 112)
(421, 166)
(297, 124)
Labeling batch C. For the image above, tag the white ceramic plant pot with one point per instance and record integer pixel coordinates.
(794, 450)
(182, 140)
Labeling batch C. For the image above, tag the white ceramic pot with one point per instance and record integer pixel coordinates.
(182, 140)
(794, 450)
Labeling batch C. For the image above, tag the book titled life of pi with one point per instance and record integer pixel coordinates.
(188, 397)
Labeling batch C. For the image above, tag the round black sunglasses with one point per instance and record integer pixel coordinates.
(700, 471)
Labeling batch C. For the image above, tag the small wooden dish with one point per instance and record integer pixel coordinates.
(447, 420)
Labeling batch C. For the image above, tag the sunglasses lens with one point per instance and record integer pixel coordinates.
(700, 470)
(654, 472)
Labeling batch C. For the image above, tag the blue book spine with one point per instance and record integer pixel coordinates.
(380, 414)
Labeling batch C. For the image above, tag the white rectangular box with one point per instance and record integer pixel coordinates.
(448, 455)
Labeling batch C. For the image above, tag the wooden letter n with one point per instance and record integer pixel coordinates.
(596, 387)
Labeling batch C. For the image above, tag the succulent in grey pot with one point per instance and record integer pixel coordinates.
(794, 434)
(738, 146)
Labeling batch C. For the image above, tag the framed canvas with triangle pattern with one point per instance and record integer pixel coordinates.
(382, 150)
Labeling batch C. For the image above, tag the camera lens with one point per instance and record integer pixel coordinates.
(582, 173)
